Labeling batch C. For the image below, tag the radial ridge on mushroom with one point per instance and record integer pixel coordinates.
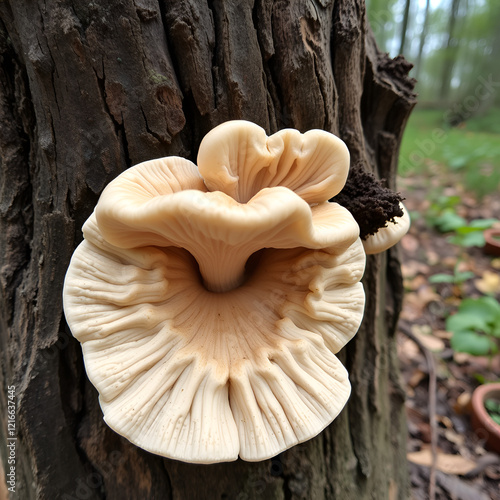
(211, 300)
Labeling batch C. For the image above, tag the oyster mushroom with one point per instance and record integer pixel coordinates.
(210, 301)
(388, 236)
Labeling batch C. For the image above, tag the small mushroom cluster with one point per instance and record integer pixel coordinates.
(211, 300)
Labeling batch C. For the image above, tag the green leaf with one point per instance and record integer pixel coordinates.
(485, 307)
(472, 238)
(443, 202)
(449, 221)
(458, 162)
(494, 328)
(492, 405)
(480, 317)
(496, 418)
(442, 278)
(473, 343)
(466, 230)
(458, 277)
(482, 223)
(465, 322)
(462, 276)
(452, 201)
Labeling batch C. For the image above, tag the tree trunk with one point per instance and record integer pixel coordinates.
(423, 36)
(404, 27)
(450, 52)
(88, 89)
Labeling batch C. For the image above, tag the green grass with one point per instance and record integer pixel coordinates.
(488, 122)
(471, 150)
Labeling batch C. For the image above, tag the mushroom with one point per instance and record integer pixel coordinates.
(210, 301)
(388, 236)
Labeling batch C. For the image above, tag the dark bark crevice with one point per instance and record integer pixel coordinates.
(118, 123)
(16, 132)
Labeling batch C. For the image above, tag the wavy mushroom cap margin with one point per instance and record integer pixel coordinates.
(386, 237)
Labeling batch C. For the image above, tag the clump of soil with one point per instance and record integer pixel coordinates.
(371, 203)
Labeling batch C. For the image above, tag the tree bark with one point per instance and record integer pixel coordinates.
(88, 89)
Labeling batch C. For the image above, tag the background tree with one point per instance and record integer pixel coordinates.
(382, 14)
(450, 50)
(88, 89)
(478, 56)
(423, 35)
(404, 27)
(453, 43)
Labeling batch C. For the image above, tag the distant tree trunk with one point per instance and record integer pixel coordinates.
(482, 67)
(450, 52)
(88, 89)
(495, 53)
(423, 36)
(404, 27)
(381, 18)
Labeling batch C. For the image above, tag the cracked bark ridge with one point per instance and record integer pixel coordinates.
(88, 89)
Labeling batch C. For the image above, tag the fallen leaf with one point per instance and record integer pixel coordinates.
(412, 308)
(410, 243)
(421, 329)
(463, 405)
(449, 261)
(427, 294)
(461, 357)
(464, 266)
(443, 334)
(432, 257)
(458, 489)
(414, 283)
(424, 334)
(416, 378)
(488, 283)
(413, 267)
(416, 302)
(454, 437)
(447, 463)
(446, 421)
(479, 448)
(408, 349)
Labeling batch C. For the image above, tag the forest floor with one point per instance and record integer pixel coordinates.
(464, 469)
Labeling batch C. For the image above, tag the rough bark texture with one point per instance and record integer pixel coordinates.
(88, 89)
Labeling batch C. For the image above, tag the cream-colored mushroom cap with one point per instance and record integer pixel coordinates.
(388, 236)
(210, 307)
